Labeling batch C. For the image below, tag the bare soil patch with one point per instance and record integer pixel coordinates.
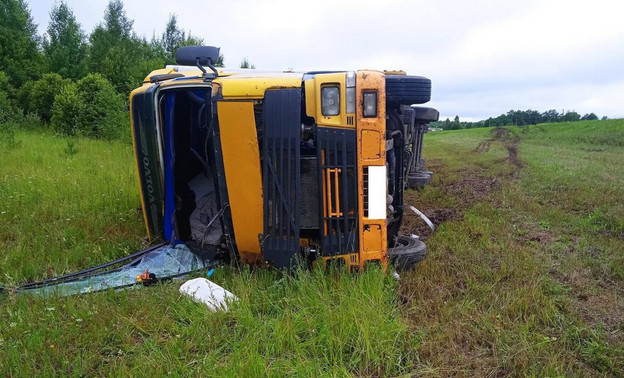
(510, 141)
(543, 237)
(483, 146)
(512, 149)
(469, 189)
(472, 186)
(412, 224)
(499, 133)
(605, 309)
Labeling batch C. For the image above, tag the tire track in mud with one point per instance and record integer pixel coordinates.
(472, 187)
(510, 141)
(595, 300)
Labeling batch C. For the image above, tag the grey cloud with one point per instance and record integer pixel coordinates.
(485, 57)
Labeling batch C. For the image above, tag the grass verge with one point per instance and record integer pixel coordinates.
(524, 275)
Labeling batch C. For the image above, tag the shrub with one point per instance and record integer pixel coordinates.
(24, 95)
(7, 108)
(101, 116)
(90, 108)
(8, 114)
(67, 111)
(43, 93)
(7, 135)
(116, 126)
(29, 121)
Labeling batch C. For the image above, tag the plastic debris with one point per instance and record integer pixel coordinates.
(424, 217)
(165, 262)
(212, 295)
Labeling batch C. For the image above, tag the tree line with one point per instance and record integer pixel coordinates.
(517, 118)
(74, 82)
(78, 84)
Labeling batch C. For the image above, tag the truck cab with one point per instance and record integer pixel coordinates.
(278, 168)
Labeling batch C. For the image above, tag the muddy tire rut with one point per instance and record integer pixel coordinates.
(471, 188)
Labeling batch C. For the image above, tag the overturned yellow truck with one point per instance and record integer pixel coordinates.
(279, 168)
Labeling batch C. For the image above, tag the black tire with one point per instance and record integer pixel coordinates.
(407, 90)
(424, 115)
(418, 180)
(407, 254)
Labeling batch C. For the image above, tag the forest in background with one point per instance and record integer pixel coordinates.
(517, 118)
(74, 82)
(77, 83)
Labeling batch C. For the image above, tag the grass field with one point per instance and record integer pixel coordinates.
(525, 274)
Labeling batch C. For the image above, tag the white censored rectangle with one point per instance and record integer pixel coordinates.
(377, 192)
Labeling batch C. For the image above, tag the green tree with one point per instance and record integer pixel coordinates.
(92, 108)
(8, 114)
(455, 125)
(551, 116)
(571, 116)
(66, 112)
(112, 48)
(118, 54)
(101, 104)
(150, 60)
(43, 93)
(23, 96)
(220, 61)
(20, 57)
(7, 107)
(65, 45)
(590, 116)
(172, 38)
(246, 64)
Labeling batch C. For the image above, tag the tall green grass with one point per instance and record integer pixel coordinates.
(525, 279)
(530, 278)
(309, 323)
(70, 204)
(65, 204)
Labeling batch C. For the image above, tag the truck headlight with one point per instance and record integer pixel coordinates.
(350, 100)
(350, 92)
(369, 104)
(330, 100)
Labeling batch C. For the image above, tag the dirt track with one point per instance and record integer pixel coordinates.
(472, 186)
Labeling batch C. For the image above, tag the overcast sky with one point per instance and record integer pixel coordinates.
(484, 57)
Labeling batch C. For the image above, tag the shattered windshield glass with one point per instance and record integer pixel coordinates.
(165, 262)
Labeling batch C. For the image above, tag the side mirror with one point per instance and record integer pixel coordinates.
(193, 55)
(199, 56)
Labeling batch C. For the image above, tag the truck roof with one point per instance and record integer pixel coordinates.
(235, 83)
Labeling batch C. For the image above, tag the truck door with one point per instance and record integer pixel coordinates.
(147, 158)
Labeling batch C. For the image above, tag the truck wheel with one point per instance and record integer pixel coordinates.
(407, 254)
(407, 90)
(424, 115)
(418, 180)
